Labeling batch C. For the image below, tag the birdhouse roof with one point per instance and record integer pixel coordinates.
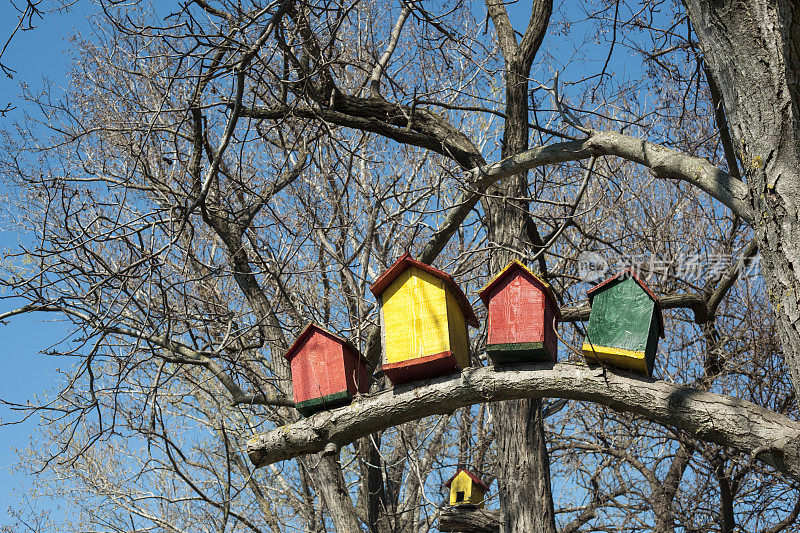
(629, 273)
(475, 479)
(406, 261)
(511, 267)
(308, 331)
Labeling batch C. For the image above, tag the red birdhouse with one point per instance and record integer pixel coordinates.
(327, 370)
(522, 309)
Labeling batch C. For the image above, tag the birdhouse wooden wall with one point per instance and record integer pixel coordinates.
(624, 324)
(327, 371)
(424, 317)
(522, 308)
(466, 488)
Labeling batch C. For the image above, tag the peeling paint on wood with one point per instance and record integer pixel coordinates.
(327, 371)
(624, 325)
(424, 317)
(521, 315)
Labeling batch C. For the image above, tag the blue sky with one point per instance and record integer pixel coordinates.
(24, 371)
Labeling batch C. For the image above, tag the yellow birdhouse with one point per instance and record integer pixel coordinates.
(424, 317)
(467, 488)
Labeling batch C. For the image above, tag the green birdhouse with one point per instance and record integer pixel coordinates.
(624, 325)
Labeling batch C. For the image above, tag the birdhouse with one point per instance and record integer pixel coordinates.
(522, 313)
(327, 370)
(624, 324)
(466, 488)
(424, 318)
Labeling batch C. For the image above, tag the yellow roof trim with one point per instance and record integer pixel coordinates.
(516, 262)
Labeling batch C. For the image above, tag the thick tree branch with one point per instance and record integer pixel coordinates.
(763, 434)
(467, 517)
(535, 32)
(404, 124)
(663, 162)
(427, 130)
(505, 31)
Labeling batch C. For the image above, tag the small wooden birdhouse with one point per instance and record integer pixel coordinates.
(522, 313)
(424, 317)
(327, 370)
(624, 324)
(466, 488)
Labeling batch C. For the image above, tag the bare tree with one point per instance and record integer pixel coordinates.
(221, 173)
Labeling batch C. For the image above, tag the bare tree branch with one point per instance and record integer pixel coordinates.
(767, 436)
(663, 162)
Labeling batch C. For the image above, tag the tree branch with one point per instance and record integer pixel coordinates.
(664, 163)
(695, 302)
(722, 124)
(380, 66)
(467, 517)
(404, 124)
(763, 434)
(183, 353)
(505, 31)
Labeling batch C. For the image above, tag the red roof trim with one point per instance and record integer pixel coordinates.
(516, 265)
(310, 328)
(472, 476)
(630, 273)
(406, 261)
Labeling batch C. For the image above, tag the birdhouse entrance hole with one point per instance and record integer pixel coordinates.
(460, 496)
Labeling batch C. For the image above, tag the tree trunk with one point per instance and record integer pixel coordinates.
(752, 48)
(524, 468)
(327, 475)
(727, 517)
(373, 493)
(523, 472)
